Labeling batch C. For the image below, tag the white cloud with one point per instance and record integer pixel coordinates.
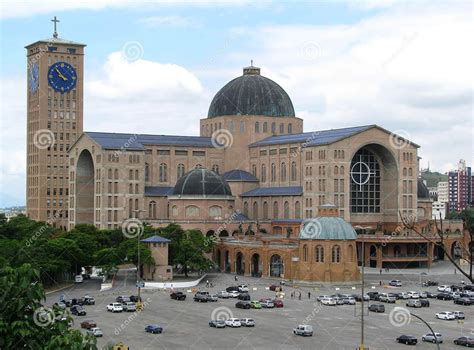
(168, 21)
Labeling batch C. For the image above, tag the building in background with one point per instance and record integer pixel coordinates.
(441, 203)
(54, 121)
(460, 183)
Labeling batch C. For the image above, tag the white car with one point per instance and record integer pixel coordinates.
(404, 295)
(243, 288)
(223, 294)
(95, 331)
(233, 322)
(431, 338)
(446, 315)
(129, 306)
(322, 297)
(79, 279)
(234, 294)
(304, 330)
(444, 288)
(115, 307)
(328, 301)
(349, 300)
(413, 295)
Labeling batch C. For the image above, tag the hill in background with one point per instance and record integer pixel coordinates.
(432, 178)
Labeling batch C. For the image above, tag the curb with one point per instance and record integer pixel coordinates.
(59, 289)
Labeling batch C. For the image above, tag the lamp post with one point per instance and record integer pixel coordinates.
(137, 215)
(431, 329)
(362, 346)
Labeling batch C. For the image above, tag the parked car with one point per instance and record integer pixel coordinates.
(247, 322)
(80, 301)
(386, 298)
(68, 302)
(444, 288)
(404, 295)
(445, 315)
(88, 300)
(135, 298)
(255, 304)
(304, 330)
(267, 303)
(217, 323)
(78, 279)
(244, 296)
(465, 341)
(115, 307)
(338, 300)
(413, 303)
(232, 289)
(322, 297)
(95, 331)
(154, 329)
(202, 298)
(233, 322)
(407, 339)
(377, 308)
(212, 297)
(243, 288)
(422, 294)
(78, 310)
(464, 301)
(61, 305)
(278, 302)
(122, 299)
(242, 305)
(455, 295)
(429, 283)
(129, 306)
(444, 296)
(349, 301)
(459, 315)
(424, 302)
(430, 337)
(178, 296)
(395, 283)
(413, 295)
(234, 294)
(372, 295)
(275, 288)
(223, 294)
(430, 295)
(88, 324)
(328, 301)
(358, 297)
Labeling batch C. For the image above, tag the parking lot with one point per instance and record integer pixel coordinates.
(185, 323)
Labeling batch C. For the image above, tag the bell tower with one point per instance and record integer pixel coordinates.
(55, 72)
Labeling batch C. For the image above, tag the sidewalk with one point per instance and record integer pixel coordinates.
(438, 268)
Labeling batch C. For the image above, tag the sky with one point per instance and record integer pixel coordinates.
(154, 66)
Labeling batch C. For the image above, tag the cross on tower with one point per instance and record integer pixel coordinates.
(55, 21)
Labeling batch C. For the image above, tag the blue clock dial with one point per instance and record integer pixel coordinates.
(62, 77)
(33, 77)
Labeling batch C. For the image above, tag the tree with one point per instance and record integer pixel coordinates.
(440, 235)
(25, 323)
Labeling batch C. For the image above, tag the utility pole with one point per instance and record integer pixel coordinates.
(431, 329)
(139, 302)
(362, 346)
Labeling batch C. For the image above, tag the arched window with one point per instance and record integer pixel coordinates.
(174, 210)
(293, 171)
(336, 254)
(130, 174)
(319, 253)
(341, 170)
(274, 128)
(242, 127)
(130, 208)
(286, 211)
(365, 182)
(290, 128)
(246, 209)
(282, 128)
(404, 171)
(152, 210)
(273, 173)
(305, 253)
(231, 126)
(263, 175)
(163, 172)
(116, 174)
(350, 253)
(215, 211)
(147, 172)
(181, 170)
(265, 210)
(136, 206)
(275, 210)
(192, 211)
(336, 170)
(215, 168)
(257, 127)
(298, 210)
(110, 174)
(283, 171)
(410, 172)
(265, 127)
(255, 210)
(136, 174)
(254, 170)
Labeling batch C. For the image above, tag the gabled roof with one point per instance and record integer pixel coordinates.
(155, 239)
(137, 142)
(274, 191)
(158, 191)
(239, 175)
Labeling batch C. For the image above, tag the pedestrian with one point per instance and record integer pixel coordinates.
(309, 295)
(380, 283)
(235, 278)
(299, 297)
(380, 270)
(455, 271)
(207, 283)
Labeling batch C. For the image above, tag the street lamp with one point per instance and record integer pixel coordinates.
(137, 215)
(431, 329)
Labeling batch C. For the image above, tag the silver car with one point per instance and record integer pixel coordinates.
(431, 338)
(247, 322)
(95, 331)
(129, 306)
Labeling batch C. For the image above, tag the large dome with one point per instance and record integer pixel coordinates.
(201, 182)
(251, 94)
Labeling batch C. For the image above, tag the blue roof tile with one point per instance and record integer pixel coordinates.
(239, 175)
(158, 191)
(274, 191)
(155, 239)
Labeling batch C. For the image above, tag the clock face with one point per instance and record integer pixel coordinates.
(62, 77)
(33, 77)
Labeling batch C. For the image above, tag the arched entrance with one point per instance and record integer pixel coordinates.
(84, 189)
(256, 269)
(239, 264)
(223, 233)
(276, 266)
(227, 262)
(373, 256)
(210, 233)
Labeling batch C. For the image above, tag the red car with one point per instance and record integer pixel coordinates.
(88, 324)
(278, 302)
(275, 288)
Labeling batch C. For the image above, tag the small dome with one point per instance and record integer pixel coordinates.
(239, 175)
(423, 192)
(201, 182)
(327, 227)
(251, 94)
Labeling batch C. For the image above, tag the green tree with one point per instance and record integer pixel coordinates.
(25, 323)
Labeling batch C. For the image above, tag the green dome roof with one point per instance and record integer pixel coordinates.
(327, 227)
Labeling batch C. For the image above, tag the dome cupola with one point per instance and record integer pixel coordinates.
(201, 182)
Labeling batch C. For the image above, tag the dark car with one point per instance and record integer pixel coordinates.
(377, 308)
(88, 300)
(154, 328)
(465, 341)
(68, 302)
(178, 296)
(73, 301)
(232, 289)
(275, 288)
(78, 310)
(358, 297)
(244, 296)
(463, 301)
(431, 295)
(429, 283)
(444, 296)
(202, 298)
(135, 298)
(278, 302)
(242, 305)
(424, 302)
(87, 324)
(81, 301)
(217, 323)
(86, 276)
(373, 295)
(407, 339)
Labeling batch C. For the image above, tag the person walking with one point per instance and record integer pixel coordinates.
(309, 295)
(299, 297)
(380, 270)
(207, 283)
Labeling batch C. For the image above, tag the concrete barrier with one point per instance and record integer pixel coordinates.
(172, 284)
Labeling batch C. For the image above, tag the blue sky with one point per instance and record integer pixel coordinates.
(403, 65)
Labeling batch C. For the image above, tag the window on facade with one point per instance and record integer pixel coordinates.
(336, 254)
(286, 211)
(263, 175)
(265, 127)
(147, 172)
(283, 171)
(293, 171)
(298, 210)
(242, 127)
(273, 173)
(192, 211)
(163, 172)
(215, 211)
(246, 209)
(181, 170)
(275, 210)
(365, 183)
(274, 128)
(255, 210)
(152, 210)
(305, 253)
(254, 170)
(319, 253)
(290, 128)
(257, 127)
(265, 210)
(282, 128)
(215, 168)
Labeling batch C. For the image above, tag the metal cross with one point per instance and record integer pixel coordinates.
(55, 21)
